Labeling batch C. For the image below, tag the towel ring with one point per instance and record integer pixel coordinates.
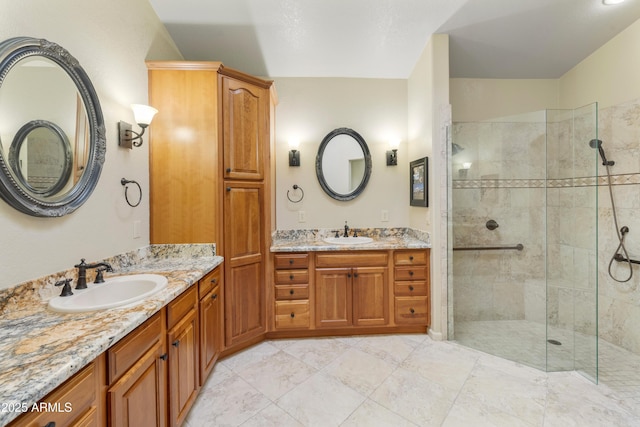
(296, 187)
(124, 183)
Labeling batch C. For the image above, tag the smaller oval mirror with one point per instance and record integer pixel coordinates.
(343, 164)
(40, 156)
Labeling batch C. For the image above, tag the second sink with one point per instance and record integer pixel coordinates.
(114, 292)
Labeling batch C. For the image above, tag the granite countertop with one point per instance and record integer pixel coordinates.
(40, 349)
(383, 239)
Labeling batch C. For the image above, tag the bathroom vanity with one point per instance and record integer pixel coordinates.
(326, 289)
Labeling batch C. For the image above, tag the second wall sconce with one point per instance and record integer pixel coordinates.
(294, 153)
(143, 114)
(392, 155)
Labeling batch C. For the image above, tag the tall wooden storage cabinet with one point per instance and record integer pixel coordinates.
(211, 151)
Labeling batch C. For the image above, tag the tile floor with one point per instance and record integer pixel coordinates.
(396, 380)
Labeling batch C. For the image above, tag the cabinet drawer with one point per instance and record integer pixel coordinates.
(180, 306)
(75, 401)
(288, 292)
(412, 310)
(209, 281)
(417, 257)
(292, 314)
(292, 276)
(365, 259)
(291, 261)
(126, 353)
(411, 273)
(410, 288)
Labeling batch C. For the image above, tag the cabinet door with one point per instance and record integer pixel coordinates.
(333, 297)
(245, 125)
(370, 296)
(138, 398)
(183, 367)
(210, 332)
(244, 262)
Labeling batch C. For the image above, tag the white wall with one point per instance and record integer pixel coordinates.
(428, 100)
(111, 40)
(309, 108)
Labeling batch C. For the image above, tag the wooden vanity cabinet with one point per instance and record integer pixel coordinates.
(184, 354)
(137, 376)
(211, 321)
(291, 278)
(351, 289)
(76, 402)
(411, 287)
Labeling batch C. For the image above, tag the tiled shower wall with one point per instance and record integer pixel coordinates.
(507, 182)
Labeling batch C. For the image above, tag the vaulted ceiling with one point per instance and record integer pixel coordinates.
(384, 38)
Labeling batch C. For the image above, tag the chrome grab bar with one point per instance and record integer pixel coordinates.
(517, 247)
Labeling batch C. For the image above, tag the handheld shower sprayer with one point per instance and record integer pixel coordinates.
(596, 143)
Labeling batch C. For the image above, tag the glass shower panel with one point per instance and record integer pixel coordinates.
(526, 180)
(498, 174)
(572, 335)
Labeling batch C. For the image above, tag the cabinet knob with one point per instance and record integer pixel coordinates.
(410, 288)
(214, 281)
(228, 189)
(228, 170)
(51, 424)
(410, 273)
(290, 261)
(214, 296)
(176, 343)
(293, 315)
(164, 356)
(291, 292)
(355, 274)
(291, 277)
(412, 311)
(349, 275)
(410, 257)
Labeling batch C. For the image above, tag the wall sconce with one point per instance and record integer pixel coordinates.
(143, 114)
(392, 155)
(294, 154)
(462, 173)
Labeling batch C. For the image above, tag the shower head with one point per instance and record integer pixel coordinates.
(455, 148)
(596, 143)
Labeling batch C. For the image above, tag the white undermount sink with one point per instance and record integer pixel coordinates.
(348, 240)
(114, 292)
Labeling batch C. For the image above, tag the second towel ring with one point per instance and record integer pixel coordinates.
(124, 183)
(296, 187)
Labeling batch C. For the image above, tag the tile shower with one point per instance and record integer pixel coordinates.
(552, 305)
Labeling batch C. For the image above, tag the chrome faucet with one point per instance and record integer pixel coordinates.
(82, 272)
(346, 230)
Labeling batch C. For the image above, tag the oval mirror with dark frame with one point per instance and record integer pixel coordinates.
(343, 164)
(52, 134)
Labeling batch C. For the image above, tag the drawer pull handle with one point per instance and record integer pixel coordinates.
(410, 273)
(176, 343)
(290, 261)
(355, 274)
(291, 276)
(291, 292)
(214, 296)
(412, 311)
(214, 281)
(410, 257)
(410, 288)
(293, 315)
(51, 424)
(164, 357)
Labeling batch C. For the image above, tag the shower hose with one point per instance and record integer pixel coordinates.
(621, 235)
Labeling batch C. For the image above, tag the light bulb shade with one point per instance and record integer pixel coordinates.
(394, 144)
(143, 114)
(294, 144)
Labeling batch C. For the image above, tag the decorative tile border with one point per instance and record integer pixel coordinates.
(623, 179)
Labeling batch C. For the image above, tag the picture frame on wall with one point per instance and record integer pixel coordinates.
(418, 181)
